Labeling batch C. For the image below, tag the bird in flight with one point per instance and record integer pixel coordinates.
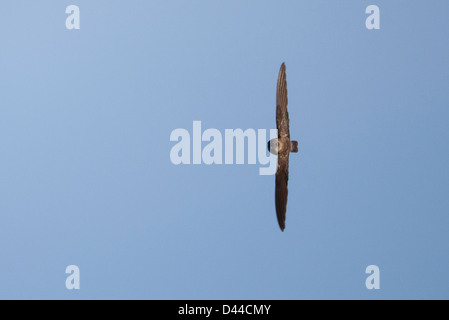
(282, 146)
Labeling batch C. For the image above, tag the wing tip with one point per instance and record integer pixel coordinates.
(282, 225)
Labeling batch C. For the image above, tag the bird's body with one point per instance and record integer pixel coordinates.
(282, 146)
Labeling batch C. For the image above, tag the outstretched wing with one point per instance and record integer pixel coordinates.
(281, 191)
(282, 121)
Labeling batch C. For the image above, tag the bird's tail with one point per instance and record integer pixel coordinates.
(293, 146)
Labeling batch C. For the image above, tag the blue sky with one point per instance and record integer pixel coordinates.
(86, 176)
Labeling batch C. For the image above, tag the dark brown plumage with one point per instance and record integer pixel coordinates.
(285, 146)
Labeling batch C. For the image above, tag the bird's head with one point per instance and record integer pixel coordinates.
(273, 146)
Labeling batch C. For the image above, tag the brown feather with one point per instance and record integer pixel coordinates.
(283, 126)
(282, 120)
(281, 190)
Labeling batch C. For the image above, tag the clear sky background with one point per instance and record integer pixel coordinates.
(85, 171)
